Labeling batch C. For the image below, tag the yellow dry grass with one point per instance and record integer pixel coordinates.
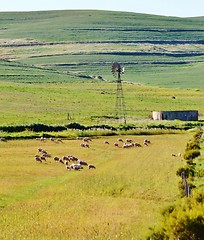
(120, 199)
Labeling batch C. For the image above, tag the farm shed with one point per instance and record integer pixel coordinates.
(191, 115)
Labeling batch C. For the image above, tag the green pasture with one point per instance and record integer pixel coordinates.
(89, 102)
(120, 199)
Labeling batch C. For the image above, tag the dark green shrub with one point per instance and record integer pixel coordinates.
(198, 135)
(75, 126)
(193, 145)
(190, 163)
(187, 170)
(191, 154)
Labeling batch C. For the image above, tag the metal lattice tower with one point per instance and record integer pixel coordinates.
(120, 110)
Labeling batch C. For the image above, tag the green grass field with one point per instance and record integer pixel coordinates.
(120, 199)
(88, 102)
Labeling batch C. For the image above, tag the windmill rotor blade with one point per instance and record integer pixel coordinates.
(116, 69)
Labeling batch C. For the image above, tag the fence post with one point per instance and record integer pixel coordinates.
(186, 186)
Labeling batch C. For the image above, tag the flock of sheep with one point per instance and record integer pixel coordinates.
(71, 162)
(128, 143)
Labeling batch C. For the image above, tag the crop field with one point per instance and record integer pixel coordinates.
(120, 199)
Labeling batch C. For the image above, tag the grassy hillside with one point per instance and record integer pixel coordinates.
(155, 50)
(98, 26)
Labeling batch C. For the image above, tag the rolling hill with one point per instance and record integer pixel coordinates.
(155, 50)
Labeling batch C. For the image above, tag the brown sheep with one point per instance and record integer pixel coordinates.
(38, 159)
(56, 159)
(91, 166)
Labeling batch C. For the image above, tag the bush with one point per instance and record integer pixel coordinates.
(185, 220)
(187, 170)
(191, 154)
(193, 145)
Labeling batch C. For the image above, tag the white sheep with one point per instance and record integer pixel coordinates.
(76, 166)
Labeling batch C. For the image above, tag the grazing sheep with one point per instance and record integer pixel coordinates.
(85, 145)
(137, 144)
(106, 142)
(3, 139)
(87, 139)
(61, 161)
(72, 158)
(46, 155)
(91, 166)
(179, 154)
(66, 162)
(43, 158)
(38, 159)
(76, 166)
(40, 149)
(120, 140)
(65, 158)
(125, 145)
(147, 141)
(68, 168)
(129, 140)
(82, 162)
(116, 144)
(56, 159)
(173, 155)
